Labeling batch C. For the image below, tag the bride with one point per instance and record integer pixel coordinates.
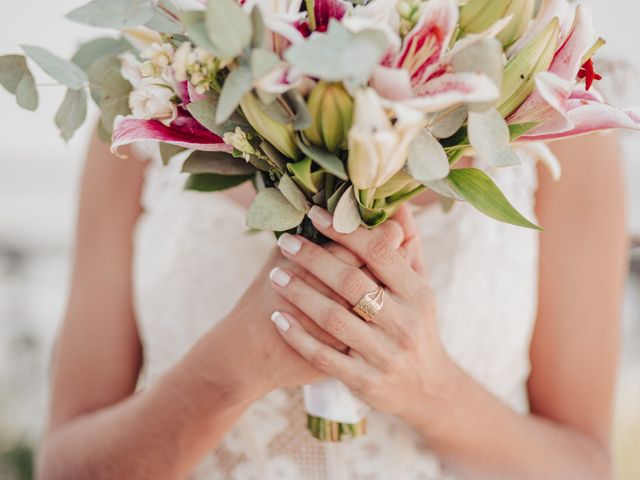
(186, 339)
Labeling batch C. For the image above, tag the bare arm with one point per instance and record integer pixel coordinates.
(97, 429)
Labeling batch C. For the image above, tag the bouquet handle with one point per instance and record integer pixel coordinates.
(333, 412)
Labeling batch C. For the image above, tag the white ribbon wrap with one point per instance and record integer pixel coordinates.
(331, 399)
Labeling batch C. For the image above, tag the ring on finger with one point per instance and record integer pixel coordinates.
(370, 304)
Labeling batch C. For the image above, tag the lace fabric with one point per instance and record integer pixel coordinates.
(194, 258)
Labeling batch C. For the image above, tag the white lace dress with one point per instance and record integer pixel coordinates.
(194, 258)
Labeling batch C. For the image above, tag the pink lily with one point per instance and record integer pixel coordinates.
(184, 131)
(421, 75)
(561, 103)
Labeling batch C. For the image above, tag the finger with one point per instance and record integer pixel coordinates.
(330, 316)
(348, 281)
(374, 248)
(406, 220)
(323, 358)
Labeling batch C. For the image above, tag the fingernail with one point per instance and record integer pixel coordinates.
(320, 216)
(289, 243)
(279, 277)
(280, 320)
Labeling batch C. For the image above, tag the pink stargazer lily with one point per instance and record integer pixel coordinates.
(185, 131)
(421, 75)
(562, 104)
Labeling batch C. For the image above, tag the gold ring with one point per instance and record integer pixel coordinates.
(370, 304)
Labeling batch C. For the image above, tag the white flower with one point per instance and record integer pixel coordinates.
(240, 142)
(378, 148)
(153, 100)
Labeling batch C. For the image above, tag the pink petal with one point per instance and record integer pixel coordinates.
(426, 43)
(325, 10)
(453, 89)
(185, 131)
(594, 117)
(568, 58)
(392, 83)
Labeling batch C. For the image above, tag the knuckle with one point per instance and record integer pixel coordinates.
(353, 282)
(379, 249)
(321, 361)
(405, 340)
(335, 320)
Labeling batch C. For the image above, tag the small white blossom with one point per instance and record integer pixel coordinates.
(160, 54)
(240, 142)
(153, 100)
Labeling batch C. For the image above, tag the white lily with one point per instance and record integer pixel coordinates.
(378, 147)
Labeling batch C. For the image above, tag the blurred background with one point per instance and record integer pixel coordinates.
(39, 176)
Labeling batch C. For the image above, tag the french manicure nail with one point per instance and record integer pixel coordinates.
(280, 320)
(320, 216)
(279, 277)
(289, 243)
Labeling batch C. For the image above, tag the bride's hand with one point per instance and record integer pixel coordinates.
(267, 362)
(395, 360)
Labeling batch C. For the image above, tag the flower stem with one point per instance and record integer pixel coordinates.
(330, 431)
(311, 13)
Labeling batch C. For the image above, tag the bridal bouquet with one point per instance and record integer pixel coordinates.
(354, 106)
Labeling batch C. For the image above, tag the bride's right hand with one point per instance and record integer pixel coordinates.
(245, 354)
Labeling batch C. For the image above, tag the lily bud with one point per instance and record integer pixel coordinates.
(278, 134)
(378, 148)
(519, 74)
(478, 15)
(331, 109)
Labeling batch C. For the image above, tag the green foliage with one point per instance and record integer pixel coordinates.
(427, 159)
(16, 77)
(116, 14)
(109, 90)
(272, 211)
(346, 216)
(92, 51)
(213, 182)
(237, 85)
(221, 163)
(63, 71)
(326, 160)
(228, 27)
(72, 113)
(292, 192)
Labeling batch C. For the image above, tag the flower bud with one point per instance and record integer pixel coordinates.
(519, 74)
(153, 100)
(478, 15)
(278, 134)
(331, 110)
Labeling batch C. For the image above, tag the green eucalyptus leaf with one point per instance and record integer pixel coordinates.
(16, 77)
(339, 55)
(114, 96)
(447, 123)
(204, 111)
(88, 53)
(258, 29)
(490, 138)
(332, 201)
(228, 26)
(168, 151)
(196, 30)
(298, 106)
(326, 160)
(346, 217)
(272, 211)
(72, 113)
(117, 14)
(427, 160)
(213, 182)
(274, 155)
(165, 18)
(292, 192)
(63, 71)
(217, 162)
(262, 62)
(481, 192)
(237, 84)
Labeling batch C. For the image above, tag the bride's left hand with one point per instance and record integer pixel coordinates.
(396, 361)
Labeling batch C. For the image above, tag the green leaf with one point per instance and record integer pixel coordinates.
(229, 28)
(213, 182)
(490, 138)
(196, 30)
(16, 77)
(301, 172)
(217, 162)
(63, 71)
(262, 62)
(482, 193)
(114, 99)
(168, 151)
(517, 130)
(117, 14)
(326, 160)
(27, 94)
(292, 193)
(88, 53)
(339, 55)
(272, 211)
(298, 106)
(236, 85)
(346, 217)
(332, 201)
(72, 113)
(204, 111)
(258, 29)
(427, 160)
(165, 18)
